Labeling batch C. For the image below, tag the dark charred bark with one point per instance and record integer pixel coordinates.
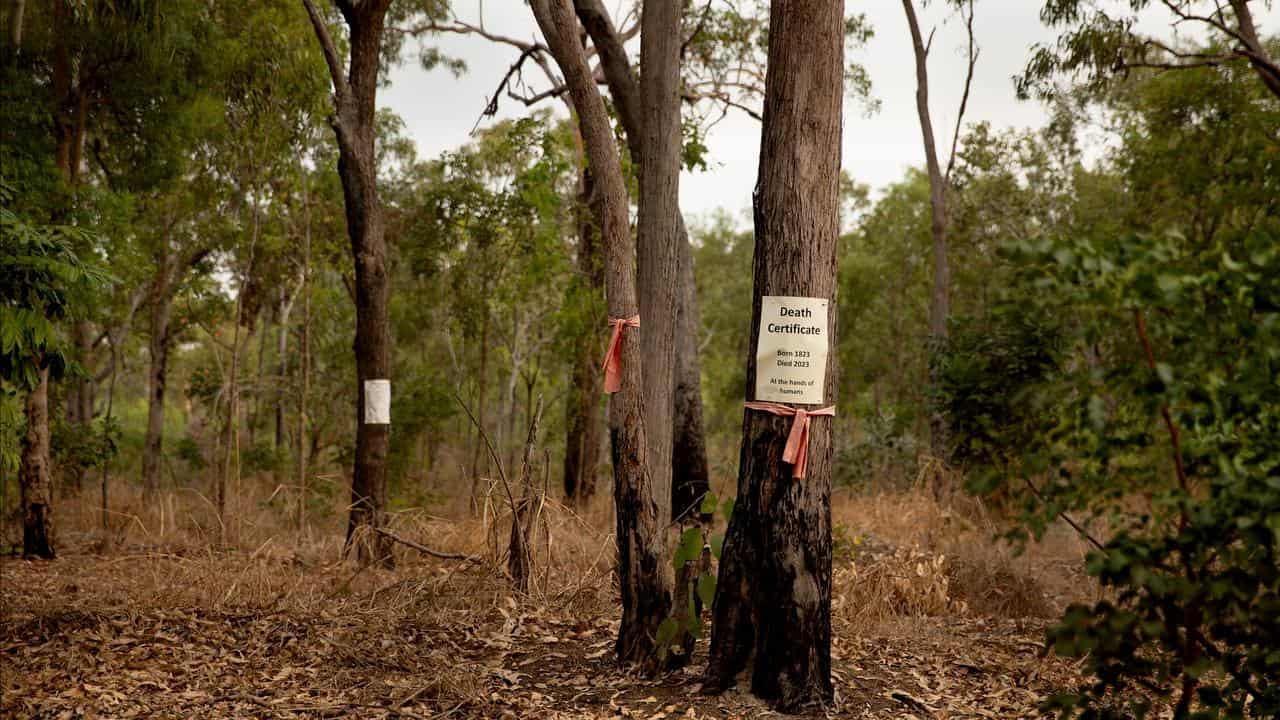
(772, 609)
(644, 573)
(355, 104)
(582, 441)
(690, 480)
(34, 477)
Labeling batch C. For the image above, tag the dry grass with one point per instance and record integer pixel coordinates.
(905, 555)
(435, 637)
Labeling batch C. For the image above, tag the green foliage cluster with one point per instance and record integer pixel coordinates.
(1126, 380)
(696, 543)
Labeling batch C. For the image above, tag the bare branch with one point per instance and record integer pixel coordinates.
(423, 548)
(340, 87)
(964, 98)
(702, 22)
(726, 100)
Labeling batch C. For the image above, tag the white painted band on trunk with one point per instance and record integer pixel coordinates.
(377, 402)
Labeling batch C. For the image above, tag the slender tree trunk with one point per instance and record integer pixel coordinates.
(658, 237)
(111, 396)
(80, 390)
(582, 443)
(772, 611)
(282, 359)
(161, 293)
(644, 572)
(355, 105)
(690, 479)
(940, 297)
(304, 362)
(35, 479)
(479, 459)
(512, 401)
(688, 455)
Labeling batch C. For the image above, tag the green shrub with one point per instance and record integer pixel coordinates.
(1160, 421)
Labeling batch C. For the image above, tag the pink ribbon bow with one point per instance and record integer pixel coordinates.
(613, 356)
(797, 450)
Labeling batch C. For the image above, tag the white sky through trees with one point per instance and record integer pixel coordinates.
(439, 110)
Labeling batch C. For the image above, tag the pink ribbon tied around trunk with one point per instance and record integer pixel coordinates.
(613, 356)
(797, 450)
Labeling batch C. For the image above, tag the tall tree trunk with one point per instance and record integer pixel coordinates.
(644, 573)
(582, 441)
(34, 477)
(79, 401)
(480, 459)
(80, 389)
(690, 479)
(939, 182)
(304, 362)
(658, 237)
(940, 297)
(688, 455)
(161, 294)
(282, 359)
(772, 609)
(355, 105)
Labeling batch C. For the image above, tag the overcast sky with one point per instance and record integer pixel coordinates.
(439, 109)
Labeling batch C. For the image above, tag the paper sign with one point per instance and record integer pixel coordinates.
(791, 354)
(377, 402)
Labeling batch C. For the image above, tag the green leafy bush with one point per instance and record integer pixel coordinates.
(1160, 422)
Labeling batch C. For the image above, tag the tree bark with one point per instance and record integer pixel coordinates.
(690, 479)
(304, 362)
(772, 610)
(644, 573)
(582, 441)
(355, 105)
(940, 297)
(1264, 65)
(35, 480)
(161, 294)
(80, 390)
(479, 459)
(689, 455)
(659, 267)
(282, 358)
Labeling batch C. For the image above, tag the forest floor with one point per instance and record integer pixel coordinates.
(931, 619)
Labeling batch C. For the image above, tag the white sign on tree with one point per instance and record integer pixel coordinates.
(791, 353)
(377, 402)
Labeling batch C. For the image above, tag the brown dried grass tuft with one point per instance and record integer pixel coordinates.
(904, 554)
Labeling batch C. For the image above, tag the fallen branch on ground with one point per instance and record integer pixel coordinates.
(424, 549)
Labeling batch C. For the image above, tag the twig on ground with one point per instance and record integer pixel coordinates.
(423, 548)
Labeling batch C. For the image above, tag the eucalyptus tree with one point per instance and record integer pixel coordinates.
(772, 611)
(644, 572)
(355, 91)
(939, 189)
